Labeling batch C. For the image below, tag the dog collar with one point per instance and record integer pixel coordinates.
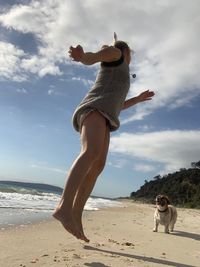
(163, 210)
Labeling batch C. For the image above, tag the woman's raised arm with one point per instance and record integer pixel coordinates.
(144, 96)
(106, 54)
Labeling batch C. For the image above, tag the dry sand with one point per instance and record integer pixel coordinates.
(119, 237)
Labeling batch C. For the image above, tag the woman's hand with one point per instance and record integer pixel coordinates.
(146, 95)
(76, 53)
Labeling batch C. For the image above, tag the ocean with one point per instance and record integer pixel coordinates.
(25, 203)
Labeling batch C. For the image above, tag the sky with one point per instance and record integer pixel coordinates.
(40, 88)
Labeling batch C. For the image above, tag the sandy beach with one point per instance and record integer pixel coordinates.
(119, 237)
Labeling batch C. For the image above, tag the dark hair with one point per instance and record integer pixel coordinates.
(121, 45)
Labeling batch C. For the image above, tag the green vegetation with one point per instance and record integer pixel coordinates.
(182, 187)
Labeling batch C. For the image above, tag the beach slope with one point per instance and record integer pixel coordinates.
(119, 237)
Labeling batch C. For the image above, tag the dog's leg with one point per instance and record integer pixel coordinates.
(167, 228)
(173, 221)
(172, 228)
(155, 229)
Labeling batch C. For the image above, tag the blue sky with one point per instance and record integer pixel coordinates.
(40, 88)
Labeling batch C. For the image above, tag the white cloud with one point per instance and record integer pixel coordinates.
(175, 149)
(120, 163)
(138, 115)
(35, 18)
(28, 18)
(10, 60)
(41, 126)
(21, 91)
(15, 64)
(51, 92)
(86, 82)
(143, 167)
(171, 59)
(43, 166)
(42, 66)
(145, 128)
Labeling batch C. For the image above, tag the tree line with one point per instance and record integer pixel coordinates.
(182, 187)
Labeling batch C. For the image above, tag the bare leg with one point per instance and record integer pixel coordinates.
(92, 141)
(87, 185)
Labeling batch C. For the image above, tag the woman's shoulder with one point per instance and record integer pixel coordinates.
(109, 53)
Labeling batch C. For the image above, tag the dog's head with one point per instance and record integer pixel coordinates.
(162, 201)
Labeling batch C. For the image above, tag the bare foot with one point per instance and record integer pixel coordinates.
(80, 228)
(67, 222)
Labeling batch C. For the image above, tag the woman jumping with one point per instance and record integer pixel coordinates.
(95, 117)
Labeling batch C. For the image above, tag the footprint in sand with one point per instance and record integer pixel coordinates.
(76, 256)
(128, 244)
(113, 241)
(34, 261)
(45, 255)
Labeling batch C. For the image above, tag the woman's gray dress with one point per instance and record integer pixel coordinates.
(106, 96)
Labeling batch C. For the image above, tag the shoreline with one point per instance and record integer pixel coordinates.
(120, 236)
(14, 216)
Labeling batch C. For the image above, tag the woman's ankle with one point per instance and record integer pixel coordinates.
(63, 209)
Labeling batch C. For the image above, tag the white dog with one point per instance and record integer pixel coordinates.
(165, 214)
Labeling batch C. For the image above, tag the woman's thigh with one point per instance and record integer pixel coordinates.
(94, 133)
(105, 147)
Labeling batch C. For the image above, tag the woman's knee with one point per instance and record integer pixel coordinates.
(100, 164)
(91, 154)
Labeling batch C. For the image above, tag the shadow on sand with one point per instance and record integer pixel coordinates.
(96, 264)
(187, 235)
(132, 256)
